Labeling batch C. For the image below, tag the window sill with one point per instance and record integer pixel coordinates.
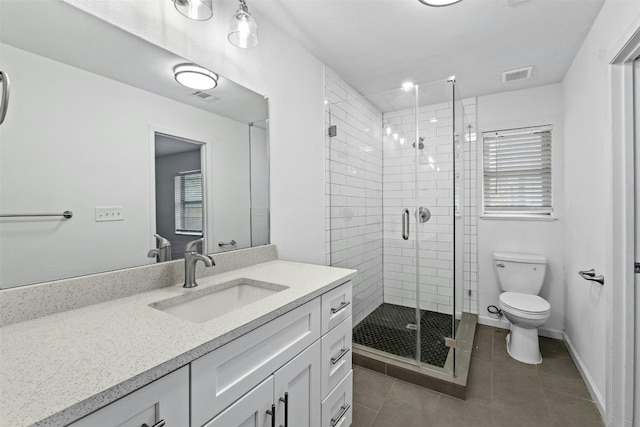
(519, 217)
(189, 233)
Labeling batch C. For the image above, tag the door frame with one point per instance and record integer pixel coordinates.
(206, 146)
(621, 390)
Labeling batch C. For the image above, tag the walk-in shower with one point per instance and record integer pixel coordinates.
(403, 214)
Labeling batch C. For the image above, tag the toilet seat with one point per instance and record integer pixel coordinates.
(525, 305)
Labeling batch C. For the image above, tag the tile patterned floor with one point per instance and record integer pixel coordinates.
(386, 329)
(502, 392)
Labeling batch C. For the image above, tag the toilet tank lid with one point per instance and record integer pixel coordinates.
(525, 258)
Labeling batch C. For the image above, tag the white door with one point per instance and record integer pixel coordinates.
(252, 410)
(636, 89)
(300, 380)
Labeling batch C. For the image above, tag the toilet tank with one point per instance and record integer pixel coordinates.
(523, 273)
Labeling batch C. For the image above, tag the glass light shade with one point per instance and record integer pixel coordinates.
(243, 29)
(199, 10)
(195, 77)
(438, 3)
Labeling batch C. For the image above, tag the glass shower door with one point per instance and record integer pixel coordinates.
(436, 199)
(389, 166)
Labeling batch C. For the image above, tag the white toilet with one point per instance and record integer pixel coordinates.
(520, 278)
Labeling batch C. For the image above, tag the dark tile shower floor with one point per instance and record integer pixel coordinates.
(386, 329)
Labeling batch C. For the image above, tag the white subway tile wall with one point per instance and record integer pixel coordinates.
(354, 191)
(371, 178)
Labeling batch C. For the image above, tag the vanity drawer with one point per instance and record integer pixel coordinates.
(336, 306)
(336, 355)
(164, 399)
(337, 410)
(221, 377)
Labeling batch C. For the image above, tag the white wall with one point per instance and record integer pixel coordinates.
(538, 106)
(279, 68)
(588, 184)
(69, 124)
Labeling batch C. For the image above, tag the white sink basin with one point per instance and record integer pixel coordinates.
(214, 301)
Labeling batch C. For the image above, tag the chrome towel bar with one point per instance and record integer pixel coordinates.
(591, 276)
(65, 214)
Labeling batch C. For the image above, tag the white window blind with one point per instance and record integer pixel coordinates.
(517, 172)
(188, 202)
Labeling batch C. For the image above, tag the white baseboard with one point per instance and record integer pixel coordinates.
(551, 333)
(593, 390)
(496, 323)
(503, 323)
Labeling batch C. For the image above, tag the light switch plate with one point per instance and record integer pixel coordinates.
(109, 213)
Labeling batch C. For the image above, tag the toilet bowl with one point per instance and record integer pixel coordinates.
(526, 313)
(520, 277)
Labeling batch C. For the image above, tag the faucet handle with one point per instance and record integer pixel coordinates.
(192, 246)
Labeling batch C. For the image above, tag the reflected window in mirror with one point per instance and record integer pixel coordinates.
(188, 203)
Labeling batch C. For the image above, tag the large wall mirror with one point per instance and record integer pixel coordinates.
(97, 125)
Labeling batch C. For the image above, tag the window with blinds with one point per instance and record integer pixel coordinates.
(517, 172)
(188, 203)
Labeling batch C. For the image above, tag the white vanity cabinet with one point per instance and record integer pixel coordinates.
(163, 402)
(306, 353)
(293, 371)
(291, 395)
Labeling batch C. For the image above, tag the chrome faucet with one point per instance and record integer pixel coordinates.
(191, 257)
(162, 252)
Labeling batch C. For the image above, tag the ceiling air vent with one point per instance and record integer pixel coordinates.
(204, 95)
(520, 73)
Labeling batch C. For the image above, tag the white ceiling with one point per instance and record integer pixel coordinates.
(376, 45)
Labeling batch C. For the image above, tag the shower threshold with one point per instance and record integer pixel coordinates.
(422, 374)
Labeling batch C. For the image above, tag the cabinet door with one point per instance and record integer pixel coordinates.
(336, 356)
(250, 410)
(164, 399)
(221, 377)
(336, 306)
(300, 380)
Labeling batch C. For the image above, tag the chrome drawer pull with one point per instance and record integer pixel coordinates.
(343, 352)
(341, 307)
(160, 423)
(336, 421)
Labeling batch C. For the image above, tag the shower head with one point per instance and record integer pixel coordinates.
(420, 144)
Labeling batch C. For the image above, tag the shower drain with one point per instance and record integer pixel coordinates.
(412, 326)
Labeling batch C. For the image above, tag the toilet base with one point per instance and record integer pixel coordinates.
(522, 345)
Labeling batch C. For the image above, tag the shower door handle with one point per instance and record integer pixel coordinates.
(405, 224)
(4, 103)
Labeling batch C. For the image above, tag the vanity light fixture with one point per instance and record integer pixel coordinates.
(198, 10)
(439, 3)
(243, 28)
(195, 77)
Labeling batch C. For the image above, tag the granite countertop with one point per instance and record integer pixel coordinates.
(58, 368)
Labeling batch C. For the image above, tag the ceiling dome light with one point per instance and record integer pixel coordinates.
(195, 77)
(243, 28)
(438, 3)
(198, 10)
(407, 86)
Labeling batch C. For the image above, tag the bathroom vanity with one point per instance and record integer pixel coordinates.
(283, 359)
